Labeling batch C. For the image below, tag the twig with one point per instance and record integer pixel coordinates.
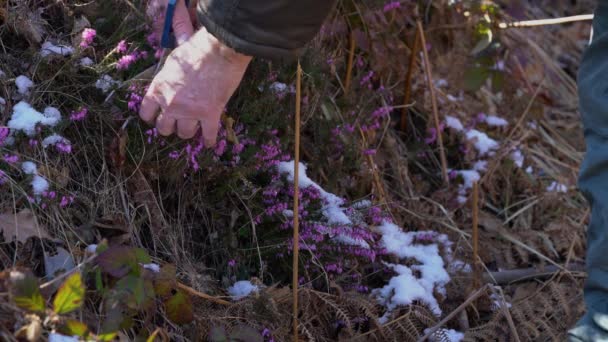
(476, 280)
(429, 79)
(349, 66)
(453, 314)
(202, 295)
(296, 192)
(542, 22)
(521, 274)
(408, 80)
(506, 312)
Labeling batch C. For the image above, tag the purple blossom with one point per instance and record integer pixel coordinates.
(4, 132)
(369, 152)
(11, 158)
(125, 61)
(121, 47)
(220, 148)
(64, 147)
(391, 6)
(66, 200)
(88, 35)
(33, 143)
(232, 263)
(79, 115)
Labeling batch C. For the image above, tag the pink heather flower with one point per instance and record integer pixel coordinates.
(121, 47)
(174, 155)
(33, 142)
(238, 148)
(134, 102)
(64, 147)
(79, 115)
(367, 79)
(152, 39)
(4, 131)
(369, 152)
(391, 6)
(66, 200)
(11, 158)
(125, 61)
(232, 263)
(220, 148)
(88, 34)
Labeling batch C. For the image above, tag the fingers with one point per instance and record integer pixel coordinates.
(150, 106)
(186, 128)
(165, 124)
(210, 129)
(182, 26)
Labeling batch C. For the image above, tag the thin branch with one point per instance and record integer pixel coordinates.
(429, 79)
(296, 193)
(543, 22)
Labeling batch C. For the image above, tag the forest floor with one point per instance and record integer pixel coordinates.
(443, 209)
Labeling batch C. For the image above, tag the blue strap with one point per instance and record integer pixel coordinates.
(167, 40)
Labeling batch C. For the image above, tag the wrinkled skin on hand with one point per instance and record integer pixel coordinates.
(191, 90)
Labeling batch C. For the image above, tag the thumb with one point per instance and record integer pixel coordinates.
(182, 26)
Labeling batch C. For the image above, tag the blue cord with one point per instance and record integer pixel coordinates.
(167, 40)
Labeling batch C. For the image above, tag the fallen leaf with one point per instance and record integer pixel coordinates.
(21, 226)
(62, 260)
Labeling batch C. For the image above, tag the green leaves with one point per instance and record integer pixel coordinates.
(74, 328)
(118, 261)
(70, 295)
(25, 291)
(179, 308)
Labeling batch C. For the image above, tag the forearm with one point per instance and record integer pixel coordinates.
(274, 29)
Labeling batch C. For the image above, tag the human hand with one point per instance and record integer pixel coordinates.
(182, 19)
(192, 88)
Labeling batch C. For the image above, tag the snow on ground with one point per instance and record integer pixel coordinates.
(518, 158)
(55, 337)
(406, 287)
(482, 142)
(496, 121)
(23, 84)
(86, 61)
(451, 335)
(25, 118)
(39, 184)
(332, 208)
(152, 267)
(53, 139)
(242, 289)
(105, 83)
(453, 123)
(49, 48)
(557, 187)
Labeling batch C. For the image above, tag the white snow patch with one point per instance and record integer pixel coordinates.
(152, 267)
(105, 83)
(2, 101)
(25, 118)
(29, 168)
(557, 187)
(441, 83)
(86, 61)
(332, 208)
(406, 287)
(49, 48)
(440, 335)
(278, 87)
(493, 120)
(480, 165)
(518, 158)
(91, 249)
(39, 184)
(241, 289)
(469, 177)
(529, 170)
(23, 84)
(363, 204)
(482, 142)
(454, 123)
(459, 266)
(497, 302)
(53, 139)
(55, 337)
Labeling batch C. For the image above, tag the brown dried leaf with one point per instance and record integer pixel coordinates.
(27, 23)
(21, 226)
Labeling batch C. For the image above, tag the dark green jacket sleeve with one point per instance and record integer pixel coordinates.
(274, 29)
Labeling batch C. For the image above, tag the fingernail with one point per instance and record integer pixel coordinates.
(182, 39)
